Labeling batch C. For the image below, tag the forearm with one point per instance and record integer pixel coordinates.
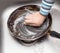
(46, 6)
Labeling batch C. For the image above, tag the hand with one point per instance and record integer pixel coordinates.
(35, 19)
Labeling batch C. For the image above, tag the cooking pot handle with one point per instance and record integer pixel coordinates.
(55, 34)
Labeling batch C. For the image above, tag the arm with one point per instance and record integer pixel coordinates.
(46, 6)
(36, 19)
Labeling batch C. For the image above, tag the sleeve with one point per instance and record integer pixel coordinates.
(46, 6)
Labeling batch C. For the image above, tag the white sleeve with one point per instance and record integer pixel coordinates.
(46, 6)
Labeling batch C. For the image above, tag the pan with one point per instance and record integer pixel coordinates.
(28, 33)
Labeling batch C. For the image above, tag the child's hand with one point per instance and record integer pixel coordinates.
(35, 19)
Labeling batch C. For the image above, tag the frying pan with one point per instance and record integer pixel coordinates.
(28, 33)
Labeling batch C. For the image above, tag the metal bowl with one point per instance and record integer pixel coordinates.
(26, 32)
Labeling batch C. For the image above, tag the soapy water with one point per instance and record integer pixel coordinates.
(19, 21)
(24, 30)
(21, 18)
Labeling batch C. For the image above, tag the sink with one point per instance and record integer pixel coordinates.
(51, 45)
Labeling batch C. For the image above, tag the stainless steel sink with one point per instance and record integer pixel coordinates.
(10, 45)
